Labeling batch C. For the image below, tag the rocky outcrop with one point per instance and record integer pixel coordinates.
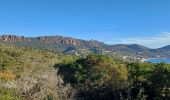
(59, 39)
(95, 43)
(51, 39)
(13, 38)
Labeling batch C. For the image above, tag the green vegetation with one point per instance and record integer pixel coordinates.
(33, 74)
(28, 73)
(100, 77)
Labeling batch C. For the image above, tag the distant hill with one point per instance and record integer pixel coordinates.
(50, 40)
(82, 47)
(130, 48)
(165, 48)
(56, 43)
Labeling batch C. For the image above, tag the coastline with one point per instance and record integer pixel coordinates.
(152, 58)
(145, 60)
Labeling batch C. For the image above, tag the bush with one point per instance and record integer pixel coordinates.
(7, 94)
(94, 76)
(101, 77)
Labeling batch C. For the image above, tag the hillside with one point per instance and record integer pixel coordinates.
(32, 74)
(70, 45)
(29, 73)
(165, 48)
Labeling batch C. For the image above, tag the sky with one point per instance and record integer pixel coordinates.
(144, 22)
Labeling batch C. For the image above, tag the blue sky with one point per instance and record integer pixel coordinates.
(145, 22)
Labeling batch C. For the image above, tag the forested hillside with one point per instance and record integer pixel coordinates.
(32, 74)
(69, 45)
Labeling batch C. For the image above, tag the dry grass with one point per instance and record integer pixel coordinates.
(31, 74)
(7, 75)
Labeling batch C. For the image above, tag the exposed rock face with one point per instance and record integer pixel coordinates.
(94, 43)
(58, 39)
(51, 39)
(13, 38)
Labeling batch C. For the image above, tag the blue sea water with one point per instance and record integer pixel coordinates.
(166, 60)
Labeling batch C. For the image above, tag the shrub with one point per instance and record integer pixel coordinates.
(94, 76)
(7, 94)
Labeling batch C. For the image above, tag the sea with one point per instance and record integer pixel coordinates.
(166, 60)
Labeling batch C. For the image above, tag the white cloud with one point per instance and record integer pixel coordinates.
(152, 42)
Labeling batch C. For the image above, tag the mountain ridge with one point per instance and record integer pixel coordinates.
(17, 38)
(63, 44)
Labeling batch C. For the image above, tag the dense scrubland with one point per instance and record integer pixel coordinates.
(32, 74)
(28, 73)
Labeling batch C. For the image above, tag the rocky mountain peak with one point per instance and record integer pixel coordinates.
(58, 39)
(14, 38)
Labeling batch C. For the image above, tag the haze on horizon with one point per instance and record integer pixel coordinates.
(111, 21)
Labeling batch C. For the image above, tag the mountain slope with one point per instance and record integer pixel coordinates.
(82, 47)
(165, 48)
